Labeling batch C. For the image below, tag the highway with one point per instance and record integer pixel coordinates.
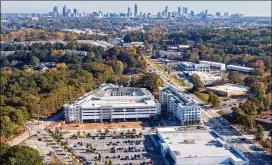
(256, 155)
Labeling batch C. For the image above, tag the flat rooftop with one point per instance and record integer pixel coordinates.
(115, 96)
(198, 145)
(229, 87)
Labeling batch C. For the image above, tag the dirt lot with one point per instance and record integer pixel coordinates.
(76, 126)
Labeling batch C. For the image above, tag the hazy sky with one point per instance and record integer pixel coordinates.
(249, 8)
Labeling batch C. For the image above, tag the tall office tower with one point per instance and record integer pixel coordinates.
(56, 9)
(185, 10)
(135, 10)
(141, 14)
(64, 11)
(206, 12)
(226, 14)
(169, 14)
(166, 9)
(192, 13)
(179, 10)
(218, 14)
(69, 13)
(75, 13)
(129, 12)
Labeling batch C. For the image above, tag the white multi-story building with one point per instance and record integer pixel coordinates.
(239, 68)
(215, 65)
(179, 105)
(198, 147)
(111, 102)
(189, 66)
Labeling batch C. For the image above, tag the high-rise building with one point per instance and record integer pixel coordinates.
(56, 9)
(166, 9)
(129, 12)
(69, 13)
(185, 10)
(206, 12)
(75, 13)
(218, 14)
(135, 10)
(64, 11)
(192, 13)
(179, 10)
(226, 14)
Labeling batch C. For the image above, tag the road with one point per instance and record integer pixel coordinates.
(256, 155)
(22, 138)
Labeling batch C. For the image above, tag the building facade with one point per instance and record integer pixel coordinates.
(189, 66)
(214, 65)
(179, 106)
(239, 68)
(110, 102)
(228, 90)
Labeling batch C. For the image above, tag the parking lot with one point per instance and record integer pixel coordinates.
(119, 148)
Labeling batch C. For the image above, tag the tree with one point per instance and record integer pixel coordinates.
(17, 117)
(259, 134)
(35, 61)
(99, 157)
(107, 131)
(110, 162)
(128, 38)
(151, 81)
(3, 150)
(107, 162)
(22, 155)
(234, 77)
(213, 99)
(197, 83)
(6, 126)
(134, 131)
(95, 163)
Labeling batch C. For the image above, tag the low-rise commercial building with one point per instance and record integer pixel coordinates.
(214, 65)
(189, 66)
(179, 105)
(170, 54)
(239, 68)
(207, 78)
(228, 90)
(110, 102)
(198, 147)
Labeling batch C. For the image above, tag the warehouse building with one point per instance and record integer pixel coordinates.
(110, 102)
(189, 66)
(214, 65)
(198, 147)
(228, 90)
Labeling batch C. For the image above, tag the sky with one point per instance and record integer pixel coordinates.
(249, 8)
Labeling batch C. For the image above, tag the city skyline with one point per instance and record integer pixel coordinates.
(249, 7)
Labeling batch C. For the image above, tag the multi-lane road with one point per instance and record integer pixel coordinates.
(256, 155)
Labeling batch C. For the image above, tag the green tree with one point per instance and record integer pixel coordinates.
(213, 99)
(22, 155)
(107, 162)
(151, 81)
(17, 117)
(197, 83)
(35, 61)
(110, 162)
(3, 150)
(259, 133)
(234, 77)
(6, 126)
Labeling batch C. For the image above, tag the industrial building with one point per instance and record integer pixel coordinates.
(198, 147)
(170, 54)
(110, 102)
(239, 68)
(228, 90)
(179, 105)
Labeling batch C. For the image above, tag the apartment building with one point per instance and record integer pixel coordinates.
(179, 105)
(111, 102)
